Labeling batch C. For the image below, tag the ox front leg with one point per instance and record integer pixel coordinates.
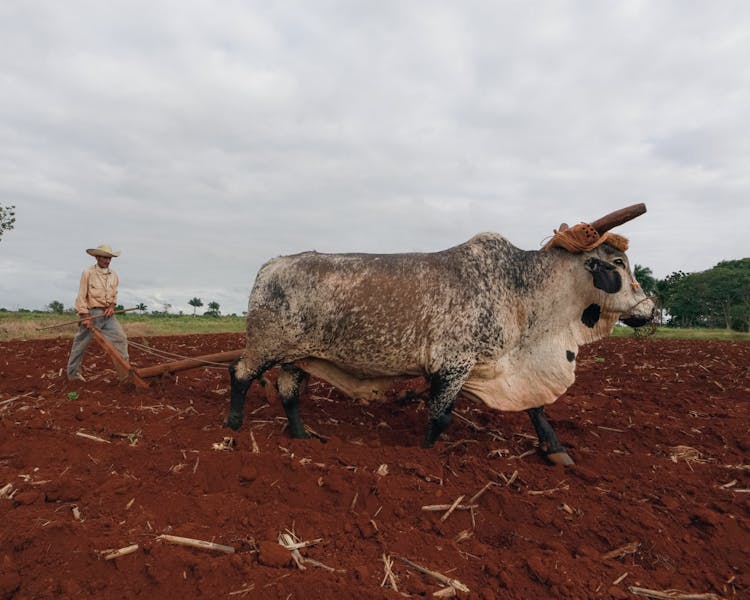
(548, 442)
(444, 387)
(290, 382)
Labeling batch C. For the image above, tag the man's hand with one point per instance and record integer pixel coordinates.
(86, 322)
(109, 311)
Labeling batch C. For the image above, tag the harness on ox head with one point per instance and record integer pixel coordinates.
(583, 237)
(587, 236)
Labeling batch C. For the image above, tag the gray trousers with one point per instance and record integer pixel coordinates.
(110, 328)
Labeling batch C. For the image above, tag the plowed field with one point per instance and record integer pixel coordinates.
(659, 498)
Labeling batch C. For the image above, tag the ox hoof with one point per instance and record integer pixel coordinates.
(560, 458)
(233, 422)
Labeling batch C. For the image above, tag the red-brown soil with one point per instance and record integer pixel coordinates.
(660, 431)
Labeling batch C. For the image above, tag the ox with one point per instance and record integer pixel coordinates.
(484, 319)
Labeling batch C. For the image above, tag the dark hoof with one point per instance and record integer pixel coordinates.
(233, 422)
(560, 458)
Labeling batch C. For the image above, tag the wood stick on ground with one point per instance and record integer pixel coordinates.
(671, 594)
(451, 509)
(193, 543)
(121, 552)
(455, 583)
(389, 577)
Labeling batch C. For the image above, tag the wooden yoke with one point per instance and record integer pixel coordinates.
(123, 368)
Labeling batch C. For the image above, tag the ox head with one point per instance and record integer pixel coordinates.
(603, 256)
(622, 294)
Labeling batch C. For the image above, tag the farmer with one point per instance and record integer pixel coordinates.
(97, 296)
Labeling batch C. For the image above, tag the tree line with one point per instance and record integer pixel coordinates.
(214, 308)
(718, 297)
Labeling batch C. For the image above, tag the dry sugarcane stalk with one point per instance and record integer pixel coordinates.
(88, 436)
(463, 536)
(193, 543)
(255, 447)
(121, 552)
(671, 594)
(442, 507)
(560, 487)
(6, 491)
(476, 496)
(455, 583)
(389, 577)
(630, 548)
(316, 563)
(451, 509)
(288, 541)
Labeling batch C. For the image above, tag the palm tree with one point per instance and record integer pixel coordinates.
(195, 303)
(213, 309)
(141, 307)
(645, 277)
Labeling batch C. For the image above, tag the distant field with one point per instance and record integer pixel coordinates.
(28, 325)
(686, 334)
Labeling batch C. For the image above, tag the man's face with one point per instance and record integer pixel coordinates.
(103, 261)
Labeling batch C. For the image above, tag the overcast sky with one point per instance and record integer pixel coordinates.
(202, 138)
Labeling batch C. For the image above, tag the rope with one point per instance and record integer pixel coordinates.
(172, 355)
(582, 238)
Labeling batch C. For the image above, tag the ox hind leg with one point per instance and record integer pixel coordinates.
(444, 387)
(290, 383)
(241, 378)
(548, 442)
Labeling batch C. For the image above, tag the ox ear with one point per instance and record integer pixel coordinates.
(606, 277)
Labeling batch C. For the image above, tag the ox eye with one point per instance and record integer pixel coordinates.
(619, 262)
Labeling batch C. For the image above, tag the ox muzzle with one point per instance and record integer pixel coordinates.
(643, 313)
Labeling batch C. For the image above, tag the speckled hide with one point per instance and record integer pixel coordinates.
(496, 322)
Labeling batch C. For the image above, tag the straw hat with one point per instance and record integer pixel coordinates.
(102, 250)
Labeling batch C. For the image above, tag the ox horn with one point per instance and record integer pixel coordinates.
(618, 217)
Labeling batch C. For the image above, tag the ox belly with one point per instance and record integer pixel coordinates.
(371, 388)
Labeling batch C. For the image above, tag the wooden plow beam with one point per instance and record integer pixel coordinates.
(188, 363)
(138, 377)
(122, 366)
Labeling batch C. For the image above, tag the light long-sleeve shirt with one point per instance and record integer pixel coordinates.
(98, 289)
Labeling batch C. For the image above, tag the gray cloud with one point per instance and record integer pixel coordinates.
(203, 139)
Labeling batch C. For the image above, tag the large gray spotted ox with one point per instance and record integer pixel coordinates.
(484, 319)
